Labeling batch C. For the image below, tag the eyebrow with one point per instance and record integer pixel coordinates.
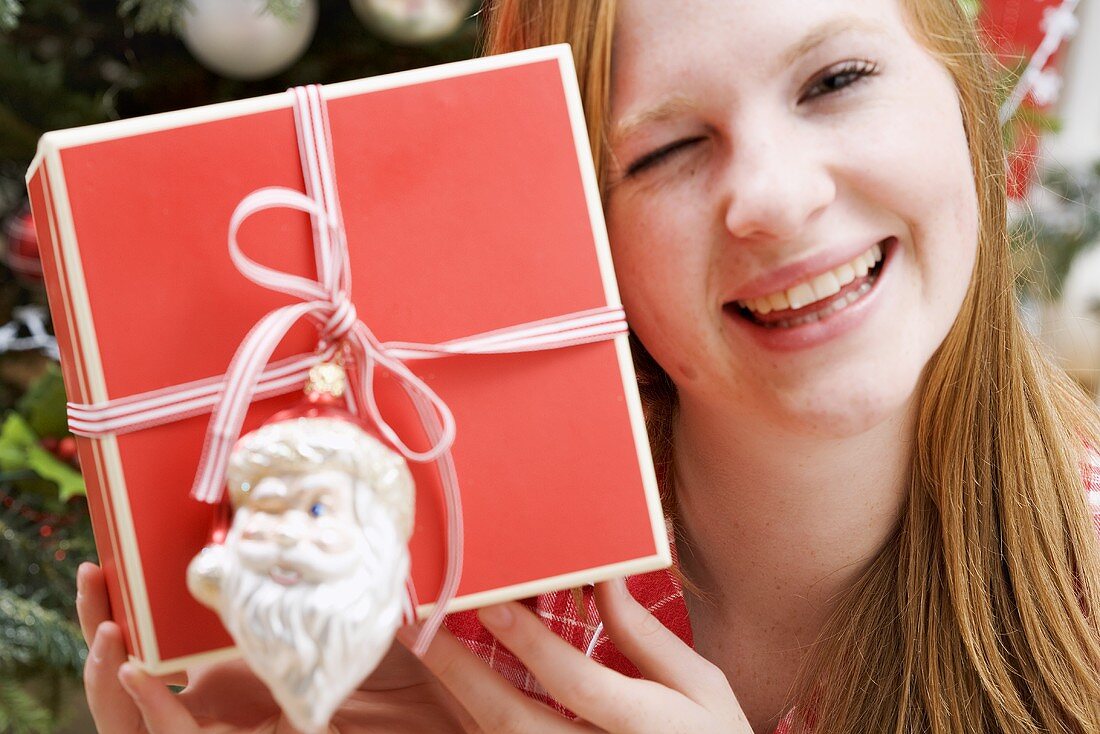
(827, 30)
(678, 103)
(669, 108)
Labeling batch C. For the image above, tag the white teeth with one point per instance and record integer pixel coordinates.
(778, 301)
(801, 295)
(838, 305)
(817, 288)
(825, 285)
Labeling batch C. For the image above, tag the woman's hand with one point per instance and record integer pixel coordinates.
(683, 693)
(401, 696)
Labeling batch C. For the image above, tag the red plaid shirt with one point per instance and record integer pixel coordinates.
(660, 592)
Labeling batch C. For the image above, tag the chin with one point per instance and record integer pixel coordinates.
(836, 412)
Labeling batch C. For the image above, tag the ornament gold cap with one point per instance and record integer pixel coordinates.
(326, 378)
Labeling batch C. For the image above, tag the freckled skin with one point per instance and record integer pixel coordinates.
(767, 169)
(775, 180)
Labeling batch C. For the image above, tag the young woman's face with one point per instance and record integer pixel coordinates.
(765, 154)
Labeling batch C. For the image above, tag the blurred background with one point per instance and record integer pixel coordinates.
(65, 64)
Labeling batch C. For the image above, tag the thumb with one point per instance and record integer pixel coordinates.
(162, 711)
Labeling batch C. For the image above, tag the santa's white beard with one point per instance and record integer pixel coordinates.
(312, 644)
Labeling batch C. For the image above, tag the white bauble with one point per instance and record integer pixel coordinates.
(241, 39)
(413, 22)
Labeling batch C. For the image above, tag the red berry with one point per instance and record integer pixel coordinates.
(66, 448)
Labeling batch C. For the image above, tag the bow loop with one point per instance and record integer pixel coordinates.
(327, 302)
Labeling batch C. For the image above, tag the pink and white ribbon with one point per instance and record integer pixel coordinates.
(326, 302)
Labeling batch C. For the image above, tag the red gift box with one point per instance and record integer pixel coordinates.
(470, 204)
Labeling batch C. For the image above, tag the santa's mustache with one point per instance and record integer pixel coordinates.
(306, 558)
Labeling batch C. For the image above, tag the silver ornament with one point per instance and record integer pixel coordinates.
(413, 22)
(310, 579)
(242, 39)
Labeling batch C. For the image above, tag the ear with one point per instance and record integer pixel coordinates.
(205, 574)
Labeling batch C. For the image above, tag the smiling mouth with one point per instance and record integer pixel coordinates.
(284, 576)
(819, 298)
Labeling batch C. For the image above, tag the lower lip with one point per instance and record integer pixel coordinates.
(814, 334)
(283, 577)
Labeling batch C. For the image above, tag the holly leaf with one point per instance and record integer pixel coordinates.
(69, 481)
(16, 436)
(20, 451)
(43, 404)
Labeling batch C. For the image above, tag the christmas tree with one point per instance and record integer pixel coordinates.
(64, 64)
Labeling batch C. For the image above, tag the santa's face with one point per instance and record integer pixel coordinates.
(313, 587)
(300, 528)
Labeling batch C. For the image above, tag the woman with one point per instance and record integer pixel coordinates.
(875, 477)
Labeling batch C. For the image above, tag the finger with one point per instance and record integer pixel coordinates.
(228, 692)
(160, 710)
(485, 696)
(111, 707)
(597, 694)
(654, 649)
(401, 672)
(92, 606)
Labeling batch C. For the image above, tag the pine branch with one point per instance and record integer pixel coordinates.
(164, 15)
(10, 10)
(31, 567)
(286, 9)
(153, 15)
(33, 637)
(20, 713)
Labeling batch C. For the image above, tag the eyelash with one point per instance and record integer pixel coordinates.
(854, 71)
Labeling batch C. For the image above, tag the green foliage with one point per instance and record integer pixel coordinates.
(43, 405)
(20, 713)
(40, 645)
(34, 637)
(20, 452)
(1061, 222)
(10, 11)
(67, 64)
(150, 15)
(45, 533)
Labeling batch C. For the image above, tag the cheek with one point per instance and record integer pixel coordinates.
(333, 537)
(662, 266)
(258, 526)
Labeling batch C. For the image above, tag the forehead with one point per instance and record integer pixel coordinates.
(668, 44)
(311, 481)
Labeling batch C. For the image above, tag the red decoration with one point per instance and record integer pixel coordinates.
(1014, 30)
(21, 255)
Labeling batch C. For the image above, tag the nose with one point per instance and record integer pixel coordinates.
(777, 180)
(291, 530)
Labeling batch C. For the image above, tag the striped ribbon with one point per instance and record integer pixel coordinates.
(326, 302)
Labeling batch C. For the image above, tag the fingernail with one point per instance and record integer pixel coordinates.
(127, 675)
(498, 616)
(99, 644)
(619, 585)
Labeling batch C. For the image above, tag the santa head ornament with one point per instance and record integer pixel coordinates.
(309, 577)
